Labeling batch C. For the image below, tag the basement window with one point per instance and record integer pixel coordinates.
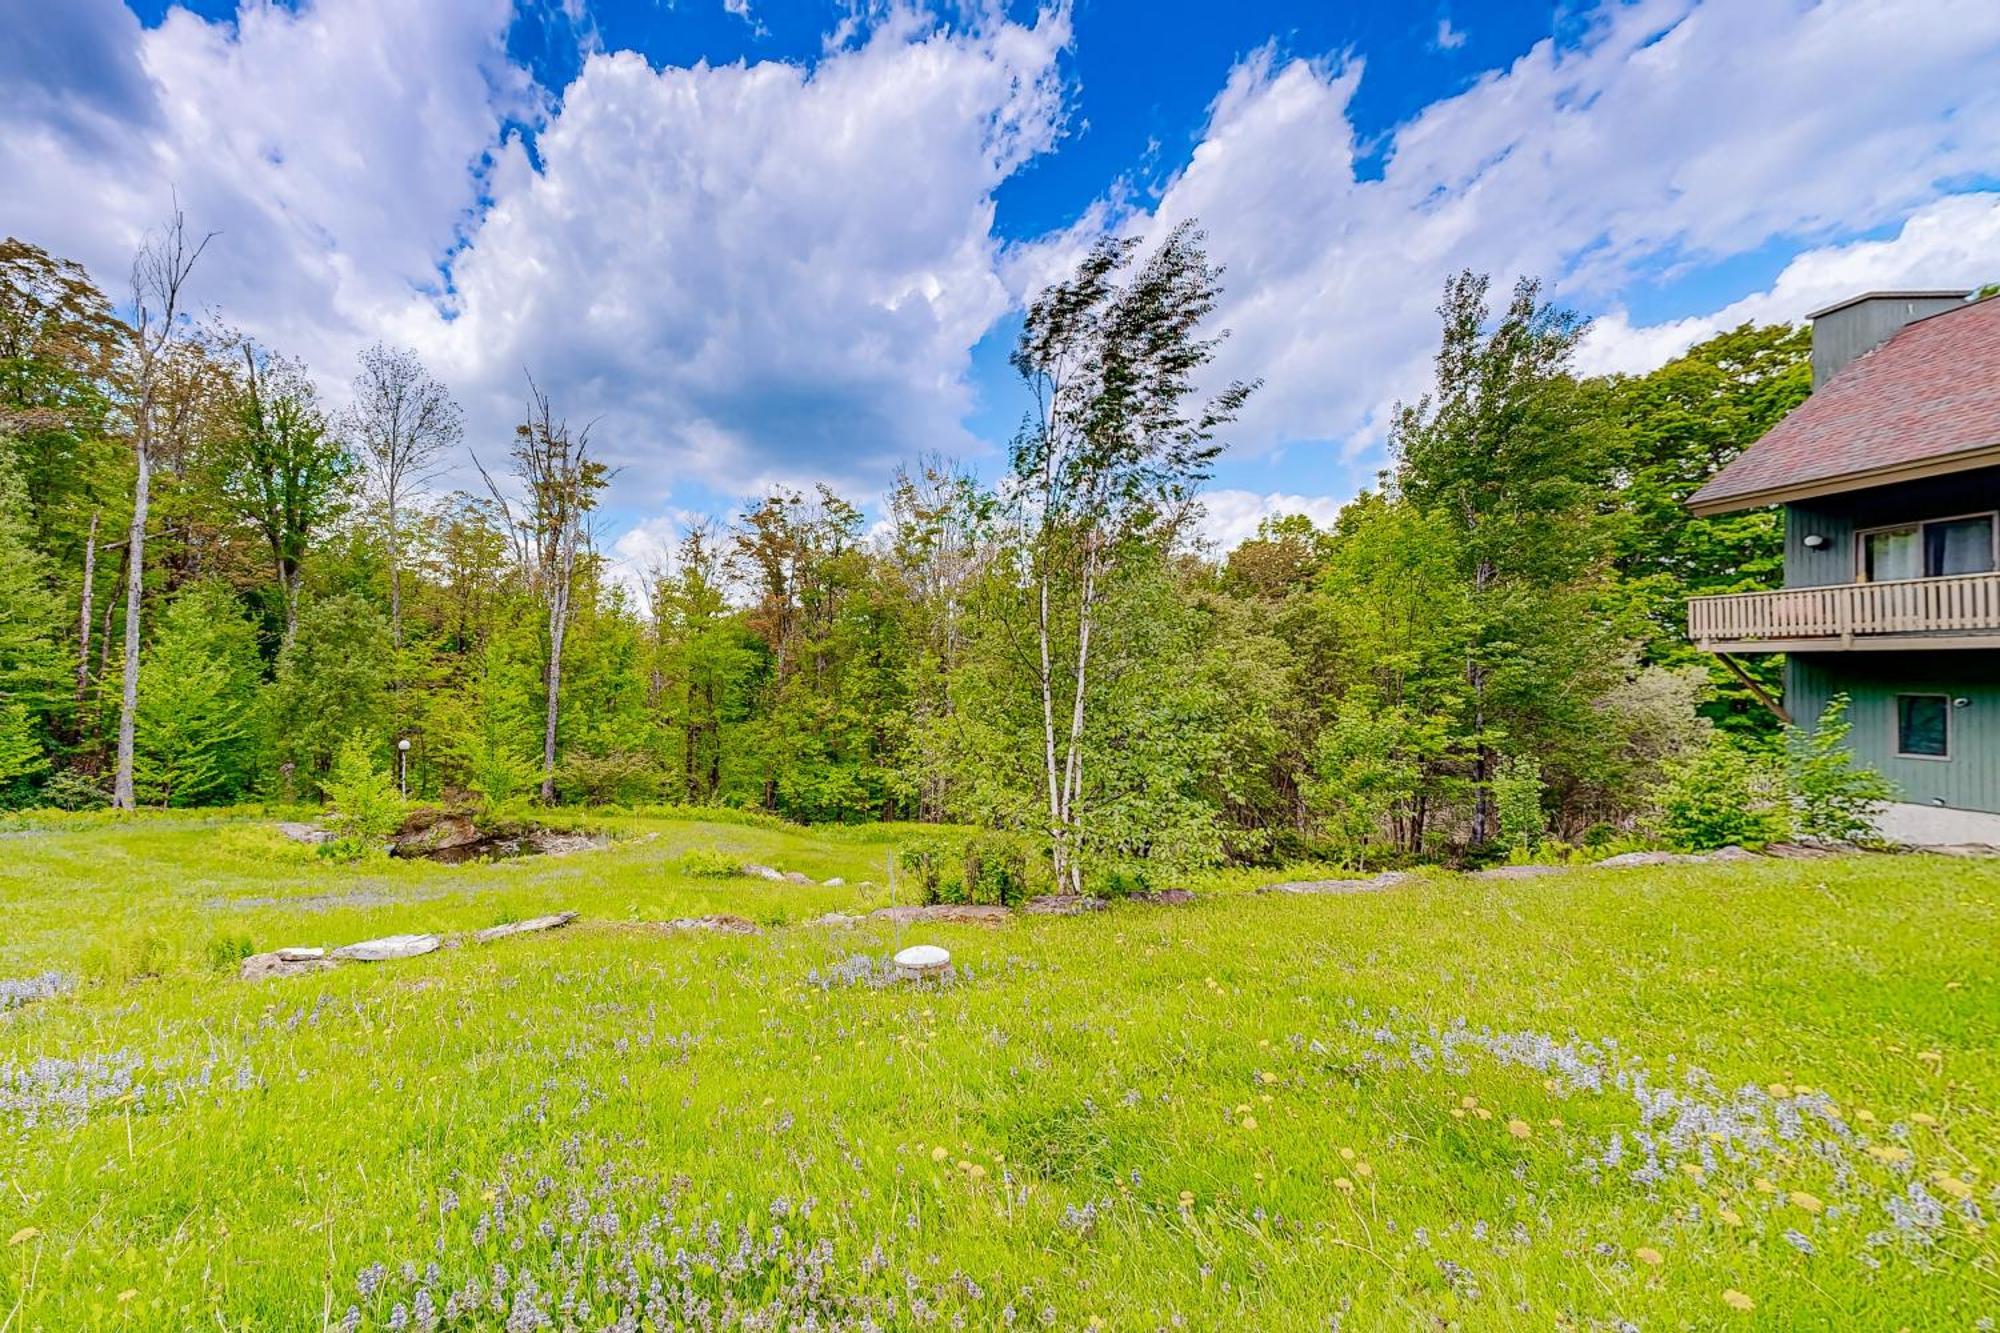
(1923, 726)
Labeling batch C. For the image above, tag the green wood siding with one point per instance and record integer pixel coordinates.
(1970, 778)
(1837, 517)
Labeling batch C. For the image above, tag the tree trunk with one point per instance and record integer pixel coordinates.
(122, 797)
(83, 619)
(395, 583)
(1058, 816)
(557, 615)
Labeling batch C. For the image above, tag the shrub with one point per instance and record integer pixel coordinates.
(228, 950)
(1719, 795)
(998, 869)
(1833, 799)
(73, 789)
(937, 867)
(366, 805)
(610, 779)
(1517, 796)
(708, 863)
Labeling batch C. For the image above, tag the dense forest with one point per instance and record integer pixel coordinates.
(212, 579)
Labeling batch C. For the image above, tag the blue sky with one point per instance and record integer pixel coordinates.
(763, 242)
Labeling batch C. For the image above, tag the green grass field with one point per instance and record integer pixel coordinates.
(1693, 1097)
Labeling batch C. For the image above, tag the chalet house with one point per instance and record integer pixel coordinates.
(1889, 476)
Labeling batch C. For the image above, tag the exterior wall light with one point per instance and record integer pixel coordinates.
(1815, 541)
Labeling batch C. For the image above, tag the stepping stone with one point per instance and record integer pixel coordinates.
(961, 913)
(1517, 872)
(300, 953)
(1062, 904)
(721, 924)
(528, 927)
(388, 949)
(1388, 879)
(1628, 859)
(922, 960)
(259, 966)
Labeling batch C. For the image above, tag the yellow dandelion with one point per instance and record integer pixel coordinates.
(1888, 1152)
(939, 1153)
(1468, 1102)
(127, 1294)
(1779, 1090)
(1343, 1184)
(1809, 1202)
(1931, 1057)
(1482, 1113)
(1730, 1217)
(1924, 1118)
(24, 1235)
(1187, 1198)
(1801, 1090)
(1692, 1169)
(1765, 1186)
(1457, 1113)
(1267, 1099)
(1520, 1129)
(1736, 1300)
(1646, 1254)
(1268, 1077)
(1249, 1122)
(769, 1100)
(1863, 1116)
(1555, 1122)
(1241, 1107)
(1347, 1154)
(1097, 1321)
(1363, 1170)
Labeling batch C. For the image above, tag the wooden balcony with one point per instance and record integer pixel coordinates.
(1958, 612)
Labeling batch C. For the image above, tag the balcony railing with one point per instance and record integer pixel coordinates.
(1911, 610)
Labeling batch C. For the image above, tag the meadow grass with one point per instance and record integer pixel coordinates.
(1685, 1097)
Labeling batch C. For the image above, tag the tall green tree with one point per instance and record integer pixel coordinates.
(1512, 455)
(197, 738)
(1104, 467)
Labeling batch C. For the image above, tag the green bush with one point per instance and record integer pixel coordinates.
(228, 950)
(937, 867)
(610, 779)
(366, 806)
(1517, 796)
(998, 869)
(1719, 795)
(708, 863)
(71, 789)
(1833, 799)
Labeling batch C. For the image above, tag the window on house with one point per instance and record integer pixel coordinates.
(1923, 726)
(1927, 550)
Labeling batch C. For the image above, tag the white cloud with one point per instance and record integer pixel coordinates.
(746, 274)
(1676, 134)
(1448, 38)
(1230, 517)
(1953, 243)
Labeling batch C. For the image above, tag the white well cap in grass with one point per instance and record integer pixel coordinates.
(923, 960)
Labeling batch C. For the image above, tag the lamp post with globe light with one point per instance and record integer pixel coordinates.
(403, 765)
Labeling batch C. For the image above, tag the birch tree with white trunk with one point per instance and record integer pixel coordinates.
(1110, 455)
(403, 424)
(160, 273)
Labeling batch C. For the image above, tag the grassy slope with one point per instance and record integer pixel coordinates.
(1021, 1140)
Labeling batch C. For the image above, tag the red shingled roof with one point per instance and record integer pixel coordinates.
(1926, 401)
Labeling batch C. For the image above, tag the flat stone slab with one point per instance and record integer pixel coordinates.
(260, 966)
(310, 834)
(300, 953)
(755, 871)
(388, 949)
(961, 913)
(1063, 904)
(1386, 880)
(1797, 851)
(1627, 860)
(720, 924)
(1165, 898)
(796, 877)
(1517, 872)
(530, 926)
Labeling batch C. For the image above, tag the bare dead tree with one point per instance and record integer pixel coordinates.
(403, 423)
(159, 274)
